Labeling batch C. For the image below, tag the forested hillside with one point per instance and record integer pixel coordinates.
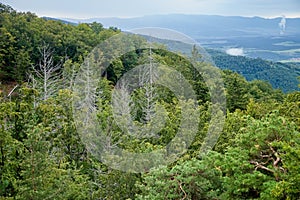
(281, 75)
(44, 156)
(23, 35)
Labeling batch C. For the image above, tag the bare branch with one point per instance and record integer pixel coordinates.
(278, 159)
(180, 186)
(46, 75)
(12, 90)
(260, 166)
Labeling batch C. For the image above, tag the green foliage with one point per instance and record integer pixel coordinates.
(237, 91)
(10, 150)
(39, 150)
(257, 157)
(42, 155)
(280, 75)
(22, 34)
(192, 179)
(42, 176)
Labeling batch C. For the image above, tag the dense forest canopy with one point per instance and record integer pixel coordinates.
(282, 76)
(43, 155)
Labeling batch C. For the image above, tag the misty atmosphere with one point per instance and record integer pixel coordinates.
(172, 99)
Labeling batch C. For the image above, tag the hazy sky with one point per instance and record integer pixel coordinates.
(134, 8)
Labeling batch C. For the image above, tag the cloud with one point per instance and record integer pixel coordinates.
(235, 51)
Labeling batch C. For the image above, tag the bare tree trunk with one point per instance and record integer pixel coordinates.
(46, 76)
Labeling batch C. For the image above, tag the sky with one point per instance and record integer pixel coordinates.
(81, 9)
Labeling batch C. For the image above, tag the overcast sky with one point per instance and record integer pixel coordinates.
(135, 8)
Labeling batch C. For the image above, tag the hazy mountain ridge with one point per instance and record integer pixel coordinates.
(276, 39)
(207, 25)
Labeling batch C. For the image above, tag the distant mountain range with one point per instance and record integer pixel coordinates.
(205, 26)
(276, 39)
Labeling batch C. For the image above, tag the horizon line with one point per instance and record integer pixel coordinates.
(141, 16)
